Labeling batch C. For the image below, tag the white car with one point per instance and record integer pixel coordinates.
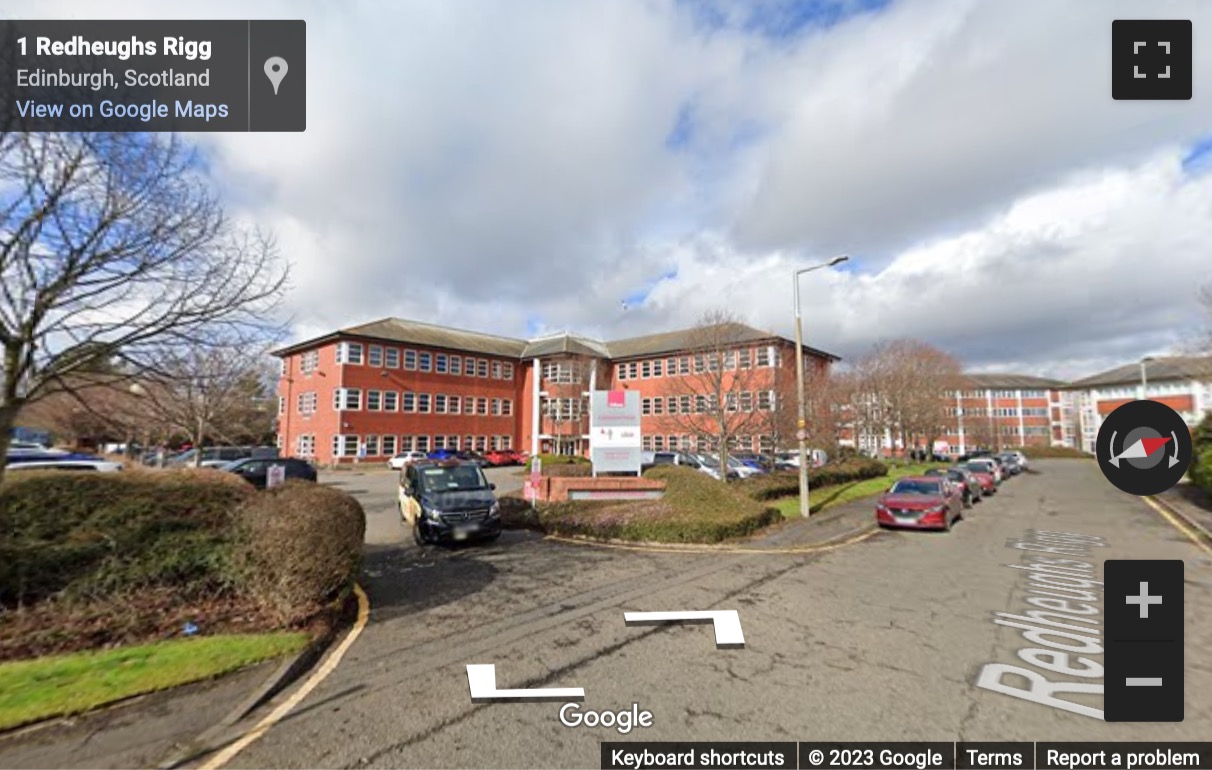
(1020, 457)
(58, 460)
(995, 470)
(404, 458)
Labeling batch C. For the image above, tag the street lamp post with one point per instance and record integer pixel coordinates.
(801, 423)
(1144, 382)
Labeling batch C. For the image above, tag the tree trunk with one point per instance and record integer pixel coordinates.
(8, 418)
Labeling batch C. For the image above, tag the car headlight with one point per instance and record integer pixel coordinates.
(434, 514)
(495, 510)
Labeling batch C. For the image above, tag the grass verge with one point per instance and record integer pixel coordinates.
(824, 498)
(60, 685)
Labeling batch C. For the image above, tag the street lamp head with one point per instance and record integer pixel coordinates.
(838, 260)
(1146, 359)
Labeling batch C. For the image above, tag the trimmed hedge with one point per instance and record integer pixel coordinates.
(550, 461)
(202, 543)
(1043, 452)
(772, 486)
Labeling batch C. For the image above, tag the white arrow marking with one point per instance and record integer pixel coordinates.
(727, 623)
(482, 679)
(1174, 457)
(1111, 449)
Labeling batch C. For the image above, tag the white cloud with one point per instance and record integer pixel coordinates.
(487, 164)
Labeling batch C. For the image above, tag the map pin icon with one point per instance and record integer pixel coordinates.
(275, 70)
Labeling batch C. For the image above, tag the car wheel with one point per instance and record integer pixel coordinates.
(417, 535)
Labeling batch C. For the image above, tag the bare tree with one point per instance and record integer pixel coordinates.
(111, 245)
(723, 387)
(206, 393)
(822, 402)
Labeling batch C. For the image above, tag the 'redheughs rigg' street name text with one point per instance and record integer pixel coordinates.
(153, 76)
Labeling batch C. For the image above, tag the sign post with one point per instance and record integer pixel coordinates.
(275, 476)
(614, 431)
(536, 478)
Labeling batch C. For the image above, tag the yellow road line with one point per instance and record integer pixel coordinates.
(1178, 524)
(713, 550)
(322, 673)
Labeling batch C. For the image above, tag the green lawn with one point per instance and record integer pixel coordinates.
(824, 498)
(32, 690)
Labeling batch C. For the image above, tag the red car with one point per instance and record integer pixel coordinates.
(920, 502)
(981, 472)
(504, 457)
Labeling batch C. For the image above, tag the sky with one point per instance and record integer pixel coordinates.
(620, 167)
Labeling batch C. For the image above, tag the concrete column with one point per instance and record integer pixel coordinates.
(959, 420)
(537, 379)
(1022, 424)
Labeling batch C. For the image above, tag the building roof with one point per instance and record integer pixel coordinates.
(1161, 368)
(418, 333)
(564, 342)
(996, 381)
(685, 339)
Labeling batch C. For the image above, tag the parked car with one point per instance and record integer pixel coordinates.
(984, 474)
(711, 466)
(448, 501)
(497, 457)
(58, 460)
(219, 456)
(255, 470)
(817, 457)
(1011, 463)
(754, 460)
(970, 488)
(1020, 457)
(397, 462)
(992, 467)
(920, 502)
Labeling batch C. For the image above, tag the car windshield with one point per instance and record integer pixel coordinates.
(915, 487)
(457, 479)
(978, 467)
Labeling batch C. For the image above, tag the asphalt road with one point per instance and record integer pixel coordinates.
(883, 639)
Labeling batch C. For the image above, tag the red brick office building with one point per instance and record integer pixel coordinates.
(364, 393)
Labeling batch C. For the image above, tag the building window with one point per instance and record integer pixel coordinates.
(454, 404)
(497, 370)
(746, 401)
(620, 371)
(409, 402)
(713, 362)
(392, 358)
(421, 444)
(481, 406)
(482, 367)
(349, 353)
(310, 361)
(456, 364)
(406, 443)
(391, 401)
(410, 360)
(389, 446)
(452, 442)
(344, 445)
(684, 365)
(658, 405)
(374, 400)
(423, 403)
(439, 443)
(658, 443)
(481, 443)
(426, 361)
(633, 371)
(439, 404)
(646, 369)
(441, 363)
(700, 404)
(507, 371)
(646, 443)
(745, 358)
(281, 404)
(730, 360)
(306, 403)
(305, 446)
(765, 400)
(646, 406)
(496, 407)
(765, 443)
(507, 407)
(671, 405)
(347, 399)
(374, 355)
(562, 373)
(372, 446)
(763, 356)
(684, 404)
(656, 368)
(730, 402)
(700, 364)
(671, 367)
(506, 442)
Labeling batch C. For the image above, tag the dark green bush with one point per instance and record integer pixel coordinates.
(518, 513)
(568, 469)
(86, 536)
(772, 486)
(1201, 468)
(550, 460)
(1038, 452)
(299, 545)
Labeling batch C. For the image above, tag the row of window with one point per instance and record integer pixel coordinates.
(351, 399)
(686, 443)
(348, 445)
(998, 393)
(357, 354)
(743, 358)
(745, 401)
(1000, 411)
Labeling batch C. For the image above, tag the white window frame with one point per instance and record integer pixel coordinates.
(391, 358)
(374, 356)
(410, 360)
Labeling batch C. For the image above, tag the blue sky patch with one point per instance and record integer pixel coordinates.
(777, 19)
(1199, 158)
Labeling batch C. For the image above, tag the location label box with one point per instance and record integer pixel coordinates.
(153, 76)
(1143, 661)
